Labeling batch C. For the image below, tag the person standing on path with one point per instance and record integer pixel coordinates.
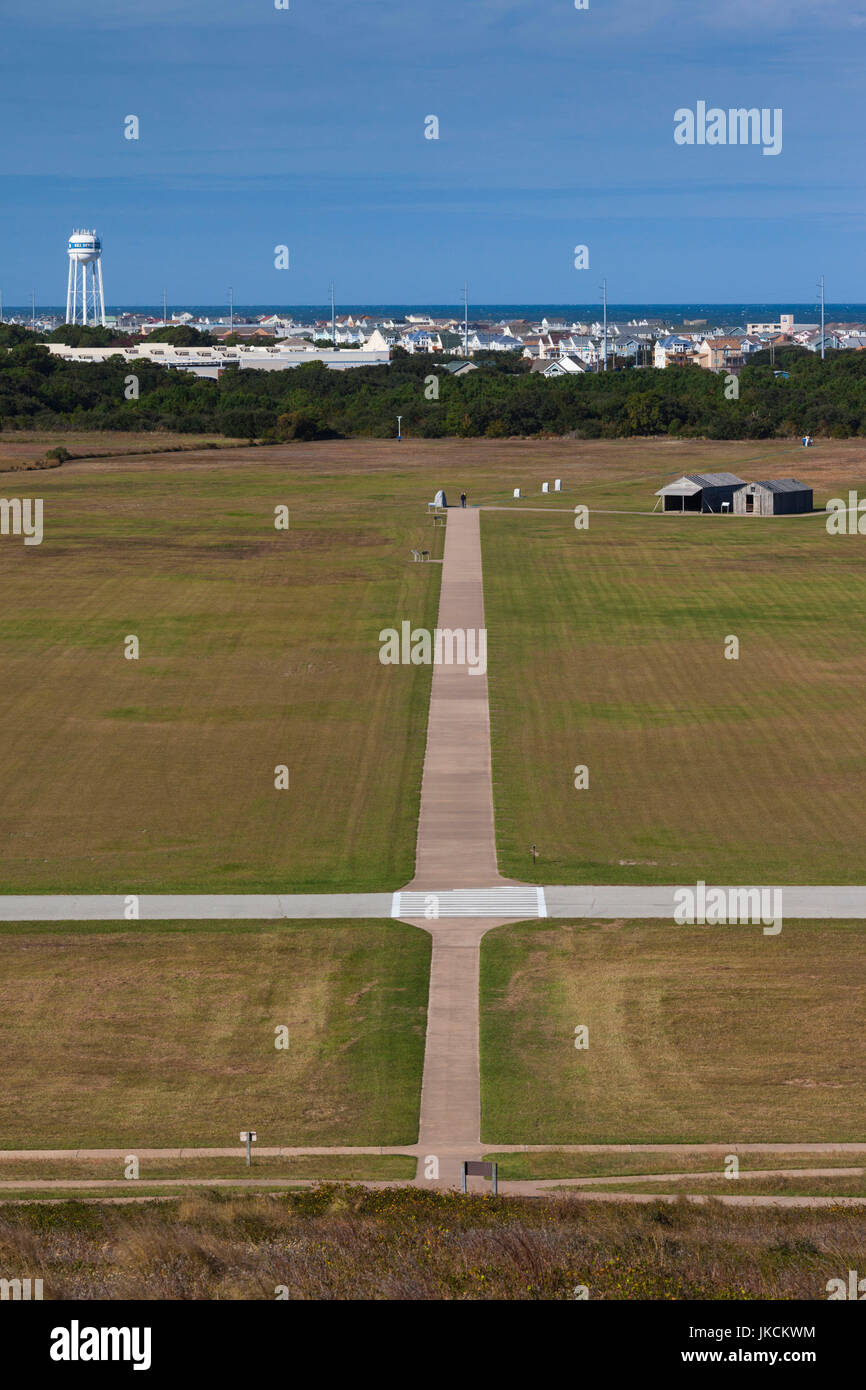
(463, 499)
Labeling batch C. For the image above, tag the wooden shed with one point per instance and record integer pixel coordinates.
(773, 497)
(700, 492)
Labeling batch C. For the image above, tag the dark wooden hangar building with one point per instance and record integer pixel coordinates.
(774, 497)
(700, 492)
(725, 492)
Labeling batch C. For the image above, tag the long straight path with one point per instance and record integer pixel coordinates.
(798, 901)
(192, 907)
(501, 900)
(456, 845)
(456, 850)
(450, 1121)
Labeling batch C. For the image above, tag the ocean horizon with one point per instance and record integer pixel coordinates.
(736, 313)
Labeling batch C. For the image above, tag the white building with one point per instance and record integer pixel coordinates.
(560, 366)
(672, 347)
(211, 361)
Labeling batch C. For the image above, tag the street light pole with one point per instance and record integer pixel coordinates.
(822, 318)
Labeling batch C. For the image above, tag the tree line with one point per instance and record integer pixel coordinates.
(795, 394)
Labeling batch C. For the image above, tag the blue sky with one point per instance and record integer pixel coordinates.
(305, 127)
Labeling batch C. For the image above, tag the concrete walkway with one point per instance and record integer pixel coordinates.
(635, 902)
(499, 900)
(456, 849)
(456, 846)
(450, 1122)
(189, 907)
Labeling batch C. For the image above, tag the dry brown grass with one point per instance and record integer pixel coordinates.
(163, 1035)
(405, 1244)
(23, 449)
(696, 1034)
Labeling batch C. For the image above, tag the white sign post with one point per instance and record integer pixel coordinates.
(249, 1137)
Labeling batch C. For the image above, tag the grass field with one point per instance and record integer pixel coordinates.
(165, 1035)
(696, 1035)
(606, 651)
(258, 649)
(323, 1167)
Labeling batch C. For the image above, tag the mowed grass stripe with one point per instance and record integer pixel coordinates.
(696, 1034)
(607, 649)
(519, 1167)
(158, 1038)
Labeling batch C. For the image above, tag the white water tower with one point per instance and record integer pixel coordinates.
(85, 302)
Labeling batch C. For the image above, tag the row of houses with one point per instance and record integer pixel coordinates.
(554, 346)
(549, 339)
(581, 345)
(728, 352)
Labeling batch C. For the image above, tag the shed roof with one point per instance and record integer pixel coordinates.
(683, 487)
(691, 483)
(783, 485)
(714, 479)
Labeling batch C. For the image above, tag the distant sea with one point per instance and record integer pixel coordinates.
(717, 314)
